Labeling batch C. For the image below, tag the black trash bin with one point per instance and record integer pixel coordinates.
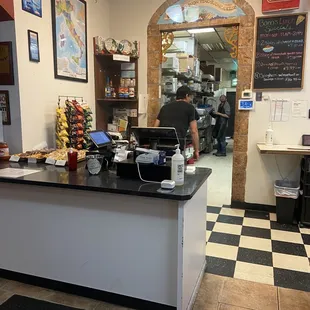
(287, 193)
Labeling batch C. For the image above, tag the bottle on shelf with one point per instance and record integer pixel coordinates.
(108, 93)
(113, 92)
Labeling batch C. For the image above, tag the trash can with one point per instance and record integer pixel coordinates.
(287, 193)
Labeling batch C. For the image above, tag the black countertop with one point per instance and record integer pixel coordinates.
(51, 176)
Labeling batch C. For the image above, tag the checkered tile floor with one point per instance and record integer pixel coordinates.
(251, 245)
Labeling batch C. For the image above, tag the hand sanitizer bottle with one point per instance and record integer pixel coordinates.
(269, 136)
(178, 167)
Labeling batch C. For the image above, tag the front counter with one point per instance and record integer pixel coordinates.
(121, 241)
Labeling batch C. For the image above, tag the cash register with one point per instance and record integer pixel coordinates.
(151, 160)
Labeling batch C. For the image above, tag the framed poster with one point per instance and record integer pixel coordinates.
(6, 64)
(277, 5)
(5, 107)
(33, 7)
(33, 46)
(69, 21)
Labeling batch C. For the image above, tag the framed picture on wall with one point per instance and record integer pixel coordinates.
(33, 7)
(33, 45)
(5, 107)
(69, 22)
(279, 5)
(6, 64)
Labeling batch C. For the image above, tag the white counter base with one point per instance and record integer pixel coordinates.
(126, 245)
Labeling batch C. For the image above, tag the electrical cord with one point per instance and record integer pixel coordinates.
(146, 181)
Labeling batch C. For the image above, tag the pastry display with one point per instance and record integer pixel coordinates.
(39, 155)
(62, 154)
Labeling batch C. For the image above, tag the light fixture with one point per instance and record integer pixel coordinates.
(201, 30)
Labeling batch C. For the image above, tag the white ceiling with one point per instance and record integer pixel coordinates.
(214, 48)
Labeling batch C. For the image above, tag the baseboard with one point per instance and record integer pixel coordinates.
(112, 298)
(252, 206)
(197, 286)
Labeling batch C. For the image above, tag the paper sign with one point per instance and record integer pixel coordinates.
(32, 160)
(300, 109)
(132, 113)
(121, 58)
(14, 158)
(143, 102)
(50, 161)
(15, 173)
(61, 163)
(280, 110)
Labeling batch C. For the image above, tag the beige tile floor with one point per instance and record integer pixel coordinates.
(216, 293)
(220, 181)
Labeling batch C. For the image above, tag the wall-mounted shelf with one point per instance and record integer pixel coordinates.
(111, 56)
(106, 67)
(116, 100)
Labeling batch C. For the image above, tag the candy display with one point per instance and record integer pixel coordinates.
(72, 125)
(62, 136)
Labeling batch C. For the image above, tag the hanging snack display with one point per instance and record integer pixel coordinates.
(73, 123)
(80, 123)
(62, 136)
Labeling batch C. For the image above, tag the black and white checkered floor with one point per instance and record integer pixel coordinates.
(251, 245)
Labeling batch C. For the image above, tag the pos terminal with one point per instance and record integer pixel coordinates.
(100, 150)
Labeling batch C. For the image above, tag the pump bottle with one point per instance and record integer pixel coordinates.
(178, 167)
(269, 136)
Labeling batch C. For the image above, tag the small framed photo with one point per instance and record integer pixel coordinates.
(6, 63)
(33, 7)
(5, 107)
(33, 42)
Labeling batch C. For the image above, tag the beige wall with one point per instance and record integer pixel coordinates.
(129, 19)
(38, 89)
(12, 133)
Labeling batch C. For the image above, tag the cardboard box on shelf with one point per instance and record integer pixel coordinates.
(171, 63)
(186, 62)
(112, 128)
(170, 85)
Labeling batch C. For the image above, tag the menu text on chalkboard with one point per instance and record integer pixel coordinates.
(280, 52)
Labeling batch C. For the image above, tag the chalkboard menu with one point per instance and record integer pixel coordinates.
(280, 52)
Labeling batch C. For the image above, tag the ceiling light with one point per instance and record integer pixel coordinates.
(201, 30)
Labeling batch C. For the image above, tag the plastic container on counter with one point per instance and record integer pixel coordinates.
(4, 151)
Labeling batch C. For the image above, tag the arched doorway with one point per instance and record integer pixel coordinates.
(246, 23)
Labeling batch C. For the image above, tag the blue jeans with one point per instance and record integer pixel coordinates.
(221, 144)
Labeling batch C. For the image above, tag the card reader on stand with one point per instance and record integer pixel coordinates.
(155, 143)
(102, 146)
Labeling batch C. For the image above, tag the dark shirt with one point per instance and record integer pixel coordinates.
(177, 114)
(224, 108)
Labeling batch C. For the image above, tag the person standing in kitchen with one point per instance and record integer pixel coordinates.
(181, 115)
(219, 132)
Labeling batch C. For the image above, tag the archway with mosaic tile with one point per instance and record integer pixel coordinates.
(175, 15)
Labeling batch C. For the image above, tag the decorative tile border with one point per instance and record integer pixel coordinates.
(245, 59)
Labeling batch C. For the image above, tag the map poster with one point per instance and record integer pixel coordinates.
(69, 21)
